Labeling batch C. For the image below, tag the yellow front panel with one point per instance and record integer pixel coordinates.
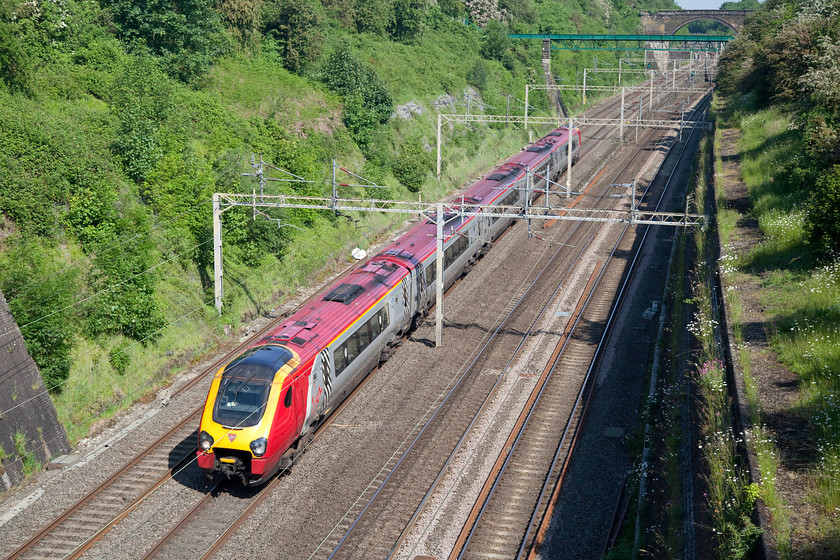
(243, 436)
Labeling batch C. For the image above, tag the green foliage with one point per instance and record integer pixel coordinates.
(519, 10)
(374, 16)
(90, 214)
(741, 5)
(409, 21)
(186, 34)
(297, 26)
(124, 300)
(142, 103)
(40, 296)
(119, 359)
(823, 217)
(27, 459)
(496, 45)
(477, 76)
(412, 164)
(452, 8)
(367, 102)
(241, 17)
(15, 63)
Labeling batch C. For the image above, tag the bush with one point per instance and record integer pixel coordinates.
(15, 63)
(374, 16)
(823, 218)
(142, 103)
(409, 21)
(477, 76)
(496, 44)
(296, 26)
(40, 296)
(186, 34)
(124, 302)
(119, 359)
(412, 165)
(367, 102)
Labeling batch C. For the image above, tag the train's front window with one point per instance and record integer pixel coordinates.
(246, 382)
(241, 403)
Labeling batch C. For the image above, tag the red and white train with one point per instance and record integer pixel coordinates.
(264, 406)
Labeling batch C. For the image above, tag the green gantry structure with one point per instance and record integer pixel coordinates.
(682, 43)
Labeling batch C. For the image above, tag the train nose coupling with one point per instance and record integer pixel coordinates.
(232, 467)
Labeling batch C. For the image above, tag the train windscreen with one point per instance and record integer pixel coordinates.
(245, 384)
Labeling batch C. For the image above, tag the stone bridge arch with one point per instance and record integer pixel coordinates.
(668, 22)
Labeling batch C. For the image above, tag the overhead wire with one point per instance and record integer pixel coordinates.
(25, 289)
(108, 289)
(146, 384)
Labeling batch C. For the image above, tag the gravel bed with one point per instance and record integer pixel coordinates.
(583, 515)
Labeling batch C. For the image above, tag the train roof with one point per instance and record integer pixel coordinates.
(337, 307)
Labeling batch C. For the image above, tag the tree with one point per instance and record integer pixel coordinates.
(483, 11)
(296, 26)
(741, 5)
(496, 43)
(374, 16)
(142, 103)
(186, 33)
(15, 64)
(822, 79)
(412, 164)
(242, 17)
(367, 102)
(409, 21)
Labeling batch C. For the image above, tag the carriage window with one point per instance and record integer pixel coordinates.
(431, 273)
(360, 339)
(365, 335)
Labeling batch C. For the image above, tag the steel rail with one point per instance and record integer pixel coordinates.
(404, 453)
(560, 446)
(631, 272)
(468, 430)
(619, 301)
(100, 528)
(491, 484)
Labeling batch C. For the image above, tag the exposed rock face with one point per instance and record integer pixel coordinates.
(406, 111)
(25, 405)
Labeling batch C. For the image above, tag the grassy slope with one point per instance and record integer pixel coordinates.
(799, 296)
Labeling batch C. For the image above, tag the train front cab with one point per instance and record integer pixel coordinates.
(252, 415)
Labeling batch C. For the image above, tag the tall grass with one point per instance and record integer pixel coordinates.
(800, 301)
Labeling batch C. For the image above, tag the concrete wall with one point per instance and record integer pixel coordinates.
(25, 405)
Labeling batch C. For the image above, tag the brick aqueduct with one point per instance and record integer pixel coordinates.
(667, 22)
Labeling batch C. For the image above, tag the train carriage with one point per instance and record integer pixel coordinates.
(264, 406)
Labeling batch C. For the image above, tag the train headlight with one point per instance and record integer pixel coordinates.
(258, 447)
(205, 441)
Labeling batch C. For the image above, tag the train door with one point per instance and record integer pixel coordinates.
(320, 387)
(405, 301)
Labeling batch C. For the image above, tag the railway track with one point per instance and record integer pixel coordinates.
(383, 545)
(181, 533)
(399, 491)
(78, 528)
(93, 516)
(504, 521)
